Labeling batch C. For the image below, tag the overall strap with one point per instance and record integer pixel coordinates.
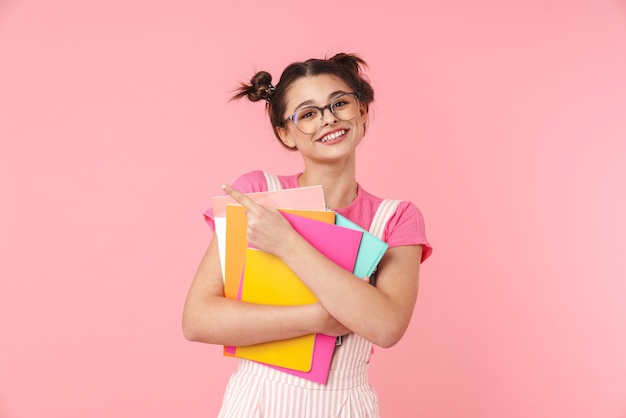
(273, 183)
(385, 211)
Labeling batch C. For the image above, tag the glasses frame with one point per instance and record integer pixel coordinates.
(321, 109)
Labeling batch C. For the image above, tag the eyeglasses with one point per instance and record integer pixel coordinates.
(310, 119)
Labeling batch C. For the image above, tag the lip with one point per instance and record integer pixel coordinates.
(335, 140)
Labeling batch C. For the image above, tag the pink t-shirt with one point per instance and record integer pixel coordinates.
(405, 227)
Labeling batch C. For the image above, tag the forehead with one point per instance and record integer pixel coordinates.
(317, 89)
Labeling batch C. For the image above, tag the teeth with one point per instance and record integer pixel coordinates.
(332, 136)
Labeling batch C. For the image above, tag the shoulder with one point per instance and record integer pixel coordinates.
(251, 182)
(405, 226)
(399, 212)
(408, 215)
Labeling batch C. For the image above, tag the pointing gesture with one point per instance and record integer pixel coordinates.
(244, 200)
(268, 230)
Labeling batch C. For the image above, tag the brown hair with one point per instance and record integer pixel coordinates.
(347, 67)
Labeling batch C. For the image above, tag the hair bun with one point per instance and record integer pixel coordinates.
(261, 86)
(351, 62)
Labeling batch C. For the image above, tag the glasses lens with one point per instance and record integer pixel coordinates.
(345, 106)
(309, 119)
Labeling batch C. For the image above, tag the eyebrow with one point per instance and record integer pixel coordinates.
(311, 102)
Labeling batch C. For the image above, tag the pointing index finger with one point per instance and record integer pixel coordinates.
(239, 197)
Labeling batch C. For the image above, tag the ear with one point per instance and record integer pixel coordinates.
(364, 112)
(283, 133)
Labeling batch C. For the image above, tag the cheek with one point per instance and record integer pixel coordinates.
(296, 140)
(360, 125)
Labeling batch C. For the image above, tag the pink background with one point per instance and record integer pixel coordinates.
(505, 121)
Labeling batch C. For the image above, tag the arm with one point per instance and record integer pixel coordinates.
(211, 318)
(380, 314)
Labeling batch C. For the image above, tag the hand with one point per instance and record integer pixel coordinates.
(268, 230)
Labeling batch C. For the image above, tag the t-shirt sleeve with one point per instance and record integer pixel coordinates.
(406, 227)
(251, 182)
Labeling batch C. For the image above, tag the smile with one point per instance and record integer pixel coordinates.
(332, 136)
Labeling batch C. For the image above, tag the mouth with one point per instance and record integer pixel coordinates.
(332, 137)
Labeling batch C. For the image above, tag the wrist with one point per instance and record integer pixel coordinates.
(292, 245)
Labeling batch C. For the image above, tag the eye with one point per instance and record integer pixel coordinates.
(342, 100)
(307, 113)
(339, 103)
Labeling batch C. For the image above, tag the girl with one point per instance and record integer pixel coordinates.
(319, 108)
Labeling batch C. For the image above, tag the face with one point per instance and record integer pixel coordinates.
(335, 138)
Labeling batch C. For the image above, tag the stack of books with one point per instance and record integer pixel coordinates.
(254, 276)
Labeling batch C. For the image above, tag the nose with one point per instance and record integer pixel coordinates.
(328, 117)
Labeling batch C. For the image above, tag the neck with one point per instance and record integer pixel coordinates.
(340, 186)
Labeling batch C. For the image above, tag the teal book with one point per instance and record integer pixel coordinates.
(371, 250)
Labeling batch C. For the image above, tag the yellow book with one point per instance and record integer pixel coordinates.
(269, 281)
(237, 244)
